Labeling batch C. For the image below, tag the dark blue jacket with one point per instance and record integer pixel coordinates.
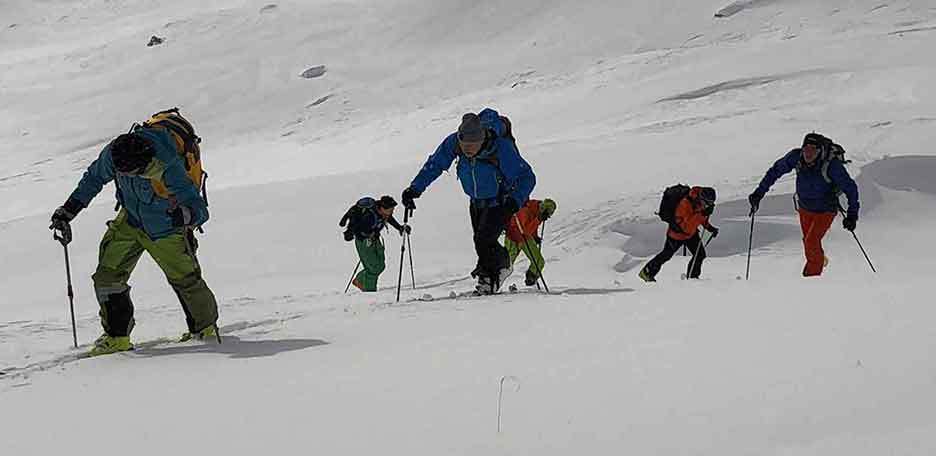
(497, 172)
(145, 209)
(364, 222)
(813, 193)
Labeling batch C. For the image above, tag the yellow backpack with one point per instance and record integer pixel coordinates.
(187, 145)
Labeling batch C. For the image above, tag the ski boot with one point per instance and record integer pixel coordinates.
(484, 287)
(209, 334)
(645, 276)
(501, 279)
(106, 345)
(530, 279)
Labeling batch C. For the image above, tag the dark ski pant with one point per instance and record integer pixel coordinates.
(488, 223)
(693, 269)
(121, 249)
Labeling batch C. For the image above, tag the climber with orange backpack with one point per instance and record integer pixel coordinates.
(157, 170)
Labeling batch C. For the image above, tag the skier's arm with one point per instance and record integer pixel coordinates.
(439, 161)
(347, 216)
(518, 173)
(779, 168)
(840, 178)
(181, 186)
(394, 223)
(98, 174)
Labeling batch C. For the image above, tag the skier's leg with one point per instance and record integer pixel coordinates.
(534, 253)
(476, 216)
(815, 225)
(513, 250)
(492, 254)
(371, 252)
(176, 256)
(670, 247)
(117, 257)
(694, 245)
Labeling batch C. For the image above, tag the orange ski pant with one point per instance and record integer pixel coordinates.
(815, 225)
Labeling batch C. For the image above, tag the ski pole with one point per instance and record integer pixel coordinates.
(353, 275)
(409, 243)
(859, 245)
(64, 239)
(406, 215)
(542, 236)
(863, 252)
(747, 274)
(526, 241)
(696, 255)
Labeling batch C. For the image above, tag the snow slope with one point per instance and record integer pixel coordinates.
(611, 102)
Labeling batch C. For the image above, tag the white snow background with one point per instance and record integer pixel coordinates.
(611, 102)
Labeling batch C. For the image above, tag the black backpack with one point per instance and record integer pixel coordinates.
(508, 134)
(672, 196)
(829, 151)
(508, 129)
(361, 213)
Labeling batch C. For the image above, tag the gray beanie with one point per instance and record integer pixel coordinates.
(470, 129)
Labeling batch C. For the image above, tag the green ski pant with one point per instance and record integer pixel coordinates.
(533, 254)
(371, 252)
(120, 250)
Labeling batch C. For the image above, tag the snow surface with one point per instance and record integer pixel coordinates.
(611, 102)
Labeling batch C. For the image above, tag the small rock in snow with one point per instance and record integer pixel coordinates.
(314, 72)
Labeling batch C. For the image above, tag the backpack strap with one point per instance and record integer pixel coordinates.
(171, 120)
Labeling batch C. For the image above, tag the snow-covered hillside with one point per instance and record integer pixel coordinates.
(611, 102)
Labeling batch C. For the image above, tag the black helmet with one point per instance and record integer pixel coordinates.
(707, 195)
(131, 153)
(386, 202)
(816, 139)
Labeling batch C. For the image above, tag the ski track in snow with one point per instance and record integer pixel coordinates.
(150, 347)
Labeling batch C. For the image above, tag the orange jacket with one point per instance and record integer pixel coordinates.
(529, 219)
(689, 215)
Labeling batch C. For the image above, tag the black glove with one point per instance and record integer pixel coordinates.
(181, 216)
(755, 200)
(405, 229)
(348, 235)
(714, 230)
(850, 222)
(511, 206)
(65, 214)
(61, 220)
(408, 196)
